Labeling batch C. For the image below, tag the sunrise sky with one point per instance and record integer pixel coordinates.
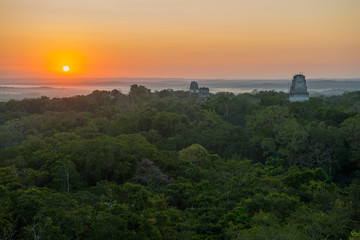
(242, 39)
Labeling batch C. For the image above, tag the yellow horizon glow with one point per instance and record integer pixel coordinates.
(191, 39)
(58, 59)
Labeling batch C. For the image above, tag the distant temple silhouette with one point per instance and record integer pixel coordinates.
(201, 92)
(298, 90)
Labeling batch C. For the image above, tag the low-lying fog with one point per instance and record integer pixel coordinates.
(10, 89)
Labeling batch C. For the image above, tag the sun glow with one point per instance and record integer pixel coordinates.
(56, 62)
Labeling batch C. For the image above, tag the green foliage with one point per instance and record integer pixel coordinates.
(161, 165)
(354, 235)
(350, 129)
(235, 217)
(195, 154)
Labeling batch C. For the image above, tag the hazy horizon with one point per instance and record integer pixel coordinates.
(31, 89)
(100, 80)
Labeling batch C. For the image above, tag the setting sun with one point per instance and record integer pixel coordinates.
(65, 62)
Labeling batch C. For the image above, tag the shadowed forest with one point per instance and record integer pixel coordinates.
(167, 165)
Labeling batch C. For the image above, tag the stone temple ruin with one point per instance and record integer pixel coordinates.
(201, 92)
(298, 90)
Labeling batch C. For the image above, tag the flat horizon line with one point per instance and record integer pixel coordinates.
(174, 78)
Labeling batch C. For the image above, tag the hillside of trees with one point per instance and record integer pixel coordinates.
(166, 165)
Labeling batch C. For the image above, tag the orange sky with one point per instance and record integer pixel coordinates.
(180, 38)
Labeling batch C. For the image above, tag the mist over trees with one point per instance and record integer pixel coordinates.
(167, 165)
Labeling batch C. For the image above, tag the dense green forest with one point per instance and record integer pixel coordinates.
(167, 165)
